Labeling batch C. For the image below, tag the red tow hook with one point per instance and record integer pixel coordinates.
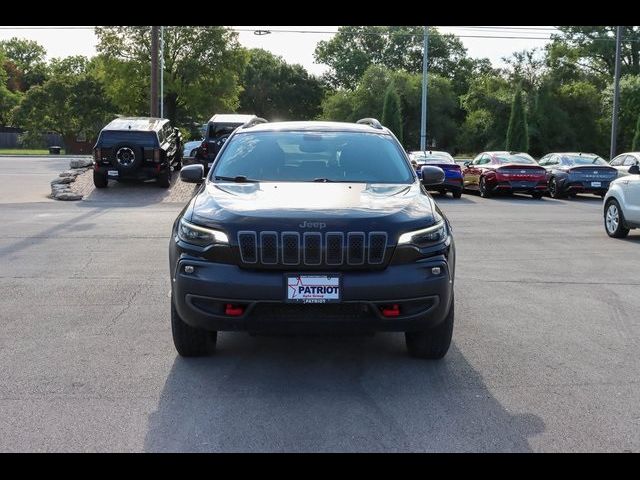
(233, 310)
(394, 311)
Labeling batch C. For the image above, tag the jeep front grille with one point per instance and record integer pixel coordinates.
(312, 248)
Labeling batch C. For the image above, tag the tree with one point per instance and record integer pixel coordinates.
(355, 48)
(26, 63)
(517, 133)
(275, 89)
(364, 101)
(487, 105)
(391, 114)
(202, 68)
(628, 112)
(8, 98)
(593, 48)
(72, 103)
(636, 139)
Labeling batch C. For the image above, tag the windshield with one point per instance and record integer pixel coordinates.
(516, 159)
(580, 160)
(313, 156)
(112, 137)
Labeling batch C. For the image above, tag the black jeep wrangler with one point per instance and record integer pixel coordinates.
(305, 226)
(140, 148)
(218, 129)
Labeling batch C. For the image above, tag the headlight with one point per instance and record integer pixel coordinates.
(425, 237)
(196, 235)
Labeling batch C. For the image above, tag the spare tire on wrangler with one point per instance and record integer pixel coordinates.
(126, 156)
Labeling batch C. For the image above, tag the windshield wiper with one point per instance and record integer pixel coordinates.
(237, 179)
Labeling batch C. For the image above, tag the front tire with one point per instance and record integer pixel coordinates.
(434, 343)
(614, 220)
(100, 180)
(190, 341)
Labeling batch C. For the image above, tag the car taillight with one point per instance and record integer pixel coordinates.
(204, 148)
(233, 310)
(390, 310)
(156, 155)
(97, 154)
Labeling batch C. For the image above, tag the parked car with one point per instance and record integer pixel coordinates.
(624, 161)
(622, 204)
(453, 172)
(141, 148)
(493, 172)
(190, 150)
(312, 226)
(572, 173)
(219, 128)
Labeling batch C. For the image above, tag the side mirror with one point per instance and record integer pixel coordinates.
(634, 170)
(467, 163)
(192, 174)
(431, 175)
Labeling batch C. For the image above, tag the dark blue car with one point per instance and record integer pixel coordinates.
(571, 173)
(453, 171)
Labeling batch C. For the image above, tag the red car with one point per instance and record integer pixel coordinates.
(492, 172)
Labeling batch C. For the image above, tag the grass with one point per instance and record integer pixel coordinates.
(26, 151)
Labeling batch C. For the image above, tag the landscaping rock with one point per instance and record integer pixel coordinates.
(80, 162)
(62, 180)
(72, 173)
(67, 195)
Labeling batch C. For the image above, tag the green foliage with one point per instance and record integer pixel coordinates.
(276, 90)
(628, 112)
(593, 49)
(391, 114)
(202, 69)
(355, 48)
(517, 132)
(636, 138)
(71, 103)
(488, 106)
(26, 62)
(364, 101)
(8, 98)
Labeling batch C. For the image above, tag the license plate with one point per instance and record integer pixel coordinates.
(209, 164)
(313, 288)
(596, 184)
(112, 173)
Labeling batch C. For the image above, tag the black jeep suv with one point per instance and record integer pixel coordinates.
(218, 129)
(139, 148)
(312, 226)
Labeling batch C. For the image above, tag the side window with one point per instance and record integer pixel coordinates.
(544, 161)
(476, 160)
(485, 159)
(555, 160)
(161, 136)
(616, 162)
(630, 161)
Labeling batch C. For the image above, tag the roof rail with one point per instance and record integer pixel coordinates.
(372, 122)
(254, 121)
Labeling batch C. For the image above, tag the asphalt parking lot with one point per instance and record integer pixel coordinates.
(544, 354)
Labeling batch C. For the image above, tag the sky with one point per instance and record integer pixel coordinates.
(297, 47)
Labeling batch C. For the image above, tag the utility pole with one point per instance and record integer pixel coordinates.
(616, 96)
(161, 72)
(154, 71)
(423, 119)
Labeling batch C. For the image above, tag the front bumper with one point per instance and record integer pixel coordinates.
(423, 297)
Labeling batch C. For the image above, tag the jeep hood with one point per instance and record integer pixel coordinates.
(282, 206)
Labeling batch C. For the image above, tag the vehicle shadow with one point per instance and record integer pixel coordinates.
(311, 394)
(440, 197)
(137, 193)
